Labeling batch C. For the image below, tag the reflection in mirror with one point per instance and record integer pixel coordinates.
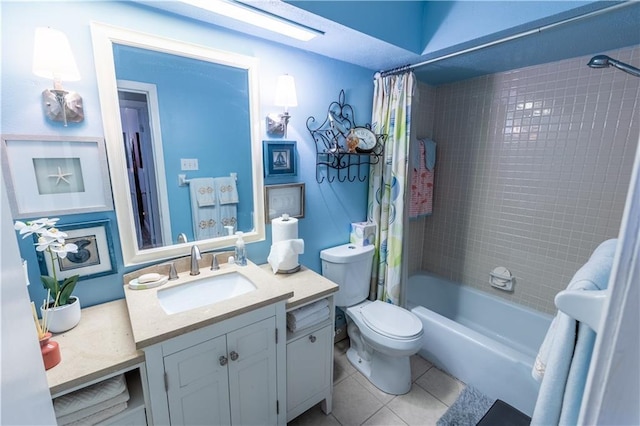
(183, 89)
(143, 150)
(171, 108)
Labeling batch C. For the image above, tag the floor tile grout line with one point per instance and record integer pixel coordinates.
(426, 390)
(347, 373)
(379, 408)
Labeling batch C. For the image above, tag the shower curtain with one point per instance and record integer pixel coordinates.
(387, 182)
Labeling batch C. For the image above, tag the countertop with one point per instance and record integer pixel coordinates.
(101, 344)
(305, 284)
(104, 342)
(152, 325)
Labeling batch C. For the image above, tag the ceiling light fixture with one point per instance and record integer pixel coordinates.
(257, 17)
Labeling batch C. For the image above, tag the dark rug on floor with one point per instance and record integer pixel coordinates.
(468, 409)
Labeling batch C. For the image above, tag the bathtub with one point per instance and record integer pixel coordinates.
(483, 340)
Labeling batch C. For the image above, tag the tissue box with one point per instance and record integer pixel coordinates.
(363, 233)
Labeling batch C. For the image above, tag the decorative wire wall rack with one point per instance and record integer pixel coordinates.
(333, 159)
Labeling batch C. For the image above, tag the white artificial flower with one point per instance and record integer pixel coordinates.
(45, 221)
(52, 241)
(62, 249)
(54, 234)
(44, 243)
(37, 226)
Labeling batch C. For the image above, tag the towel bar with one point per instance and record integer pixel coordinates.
(183, 181)
(583, 306)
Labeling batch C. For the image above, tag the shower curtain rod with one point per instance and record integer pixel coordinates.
(408, 67)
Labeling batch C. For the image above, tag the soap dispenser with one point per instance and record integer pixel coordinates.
(240, 251)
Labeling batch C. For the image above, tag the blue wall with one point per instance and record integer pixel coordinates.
(329, 209)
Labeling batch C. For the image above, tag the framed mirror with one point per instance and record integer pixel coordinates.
(182, 134)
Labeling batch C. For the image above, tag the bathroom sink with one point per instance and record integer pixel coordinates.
(203, 292)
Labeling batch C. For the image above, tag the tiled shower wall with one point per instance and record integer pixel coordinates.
(532, 173)
(423, 114)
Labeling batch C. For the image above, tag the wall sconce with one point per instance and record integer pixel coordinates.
(53, 59)
(285, 97)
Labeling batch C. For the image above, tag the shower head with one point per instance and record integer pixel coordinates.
(603, 61)
(600, 61)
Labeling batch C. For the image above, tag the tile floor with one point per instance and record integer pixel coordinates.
(357, 402)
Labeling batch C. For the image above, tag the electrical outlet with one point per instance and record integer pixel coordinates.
(188, 164)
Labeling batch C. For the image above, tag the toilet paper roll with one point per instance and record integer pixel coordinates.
(284, 255)
(284, 229)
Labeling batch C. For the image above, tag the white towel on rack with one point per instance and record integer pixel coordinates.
(593, 275)
(204, 191)
(563, 360)
(205, 220)
(227, 216)
(577, 379)
(226, 190)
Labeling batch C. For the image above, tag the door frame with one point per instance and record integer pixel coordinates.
(155, 134)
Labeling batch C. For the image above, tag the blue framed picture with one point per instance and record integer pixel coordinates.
(95, 256)
(280, 158)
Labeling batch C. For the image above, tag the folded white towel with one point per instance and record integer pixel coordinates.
(89, 396)
(315, 318)
(227, 192)
(93, 409)
(305, 311)
(204, 191)
(99, 416)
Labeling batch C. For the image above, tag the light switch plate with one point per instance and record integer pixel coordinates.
(188, 164)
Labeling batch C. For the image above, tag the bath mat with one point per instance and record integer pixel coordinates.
(468, 409)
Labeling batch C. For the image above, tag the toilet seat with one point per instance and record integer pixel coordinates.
(391, 321)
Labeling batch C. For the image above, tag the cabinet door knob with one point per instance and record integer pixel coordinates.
(312, 338)
(234, 355)
(223, 360)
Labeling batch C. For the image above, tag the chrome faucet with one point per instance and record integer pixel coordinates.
(195, 256)
(214, 262)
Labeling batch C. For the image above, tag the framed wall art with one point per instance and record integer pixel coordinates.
(279, 199)
(95, 256)
(48, 175)
(280, 158)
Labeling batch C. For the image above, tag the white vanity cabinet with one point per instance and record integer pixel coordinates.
(229, 373)
(310, 367)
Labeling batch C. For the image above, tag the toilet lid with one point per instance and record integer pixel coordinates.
(391, 320)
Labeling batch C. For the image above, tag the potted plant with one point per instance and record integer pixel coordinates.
(62, 308)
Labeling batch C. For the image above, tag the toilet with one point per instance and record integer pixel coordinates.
(383, 336)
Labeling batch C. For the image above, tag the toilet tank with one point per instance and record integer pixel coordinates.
(349, 266)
